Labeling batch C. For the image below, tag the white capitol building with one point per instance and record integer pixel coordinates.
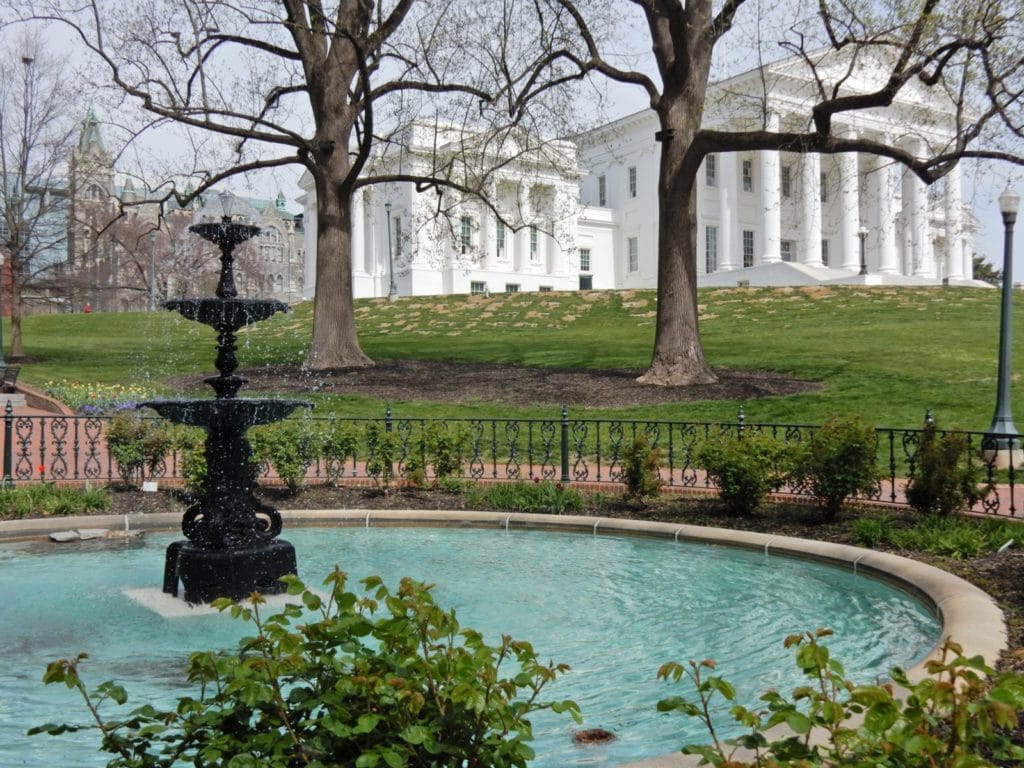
(584, 213)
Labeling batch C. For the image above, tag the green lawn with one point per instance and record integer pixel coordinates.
(884, 353)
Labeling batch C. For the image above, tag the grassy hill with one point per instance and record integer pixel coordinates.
(885, 353)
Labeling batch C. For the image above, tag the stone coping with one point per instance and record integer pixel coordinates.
(968, 614)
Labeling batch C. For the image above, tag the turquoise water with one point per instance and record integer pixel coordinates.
(614, 608)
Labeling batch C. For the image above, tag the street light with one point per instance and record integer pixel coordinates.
(152, 270)
(863, 234)
(1002, 434)
(392, 290)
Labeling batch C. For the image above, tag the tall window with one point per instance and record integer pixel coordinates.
(5, 232)
(710, 249)
(534, 243)
(711, 170)
(602, 190)
(398, 235)
(748, 175)
(824, 252)
(786, 250)
(632, 181)
(824, 187)
(584, 259)
(271, 244)
(786, 180)
(466, 233)
(633, 254)
(499, 238)
(748, 248)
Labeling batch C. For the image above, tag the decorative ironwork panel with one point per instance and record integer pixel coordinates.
(58, 469)
(578, 434)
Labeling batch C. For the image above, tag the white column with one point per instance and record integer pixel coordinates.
(884, 216)
(486, 237)
(521, 254)
(954, 209)
(918, 209)
(358, 232)
(771, 199)
(967, 255)
(727, 200)
(810, 224)
(849, 210)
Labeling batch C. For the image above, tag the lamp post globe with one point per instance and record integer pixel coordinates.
(1002, 440)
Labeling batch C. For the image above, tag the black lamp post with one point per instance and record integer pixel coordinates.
(392, 290)
(863, 234)
(1002, 434)
(152, 270)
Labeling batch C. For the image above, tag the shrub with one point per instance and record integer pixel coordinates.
(962, 714)
(838, 461)
(640, 469)
(190, 445)
(289, 447)
(744, 467)
(872, 531)
(46, 500)
(381, 679)
(382, 449)
(956, 537)
(137, 444)
(338, 444)
(537, 496)
(945, 479)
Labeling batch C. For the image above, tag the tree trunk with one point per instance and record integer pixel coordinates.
(335, 342)
(15, 310)
(678, 357)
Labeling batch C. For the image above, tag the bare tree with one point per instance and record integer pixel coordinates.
(319, 85)
(36, 136)
(857, 56)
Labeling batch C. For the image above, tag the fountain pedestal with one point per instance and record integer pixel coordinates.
(231, 549)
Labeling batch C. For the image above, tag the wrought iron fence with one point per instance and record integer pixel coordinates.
(74, 449)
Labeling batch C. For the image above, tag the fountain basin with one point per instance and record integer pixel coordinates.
(606, 635)
(226, 314)
(230, 413)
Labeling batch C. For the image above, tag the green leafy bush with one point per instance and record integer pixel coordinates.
(190, 445)
(745, 467)
(289, 447)
(338, 444)
(138, 444)
(872, 531)
(641, 466)
(537, 496)
(380, 679)
(838, 461)
(945, 477)
(383, 452)
(962, 714)
(956, 537)
(46, 500)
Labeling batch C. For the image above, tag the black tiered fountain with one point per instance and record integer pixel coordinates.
(232, 547)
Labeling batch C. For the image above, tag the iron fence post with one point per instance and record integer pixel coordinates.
(8, 481)
(565, 445)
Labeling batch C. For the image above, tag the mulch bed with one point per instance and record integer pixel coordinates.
(457, 382)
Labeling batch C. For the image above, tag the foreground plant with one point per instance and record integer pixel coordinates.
(963, 714)
(383, 679)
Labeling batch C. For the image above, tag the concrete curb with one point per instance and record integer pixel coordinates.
(968, 614)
